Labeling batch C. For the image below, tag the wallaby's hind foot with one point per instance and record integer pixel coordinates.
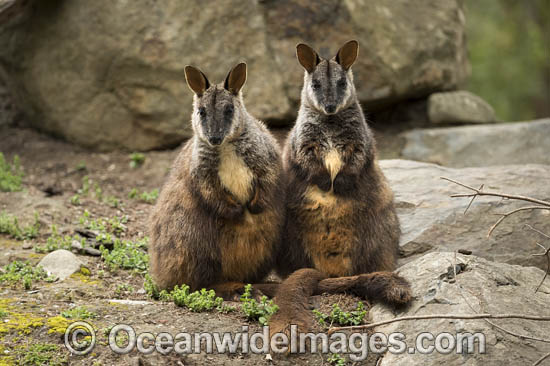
(386, 287)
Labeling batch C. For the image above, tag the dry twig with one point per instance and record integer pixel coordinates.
(542, 359)
(543, 205)
(441, 316)
(479, 192)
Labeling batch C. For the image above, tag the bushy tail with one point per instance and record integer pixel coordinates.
(293, 300)
(293, 295)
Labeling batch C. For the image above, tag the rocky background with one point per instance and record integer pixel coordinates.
(457, 89)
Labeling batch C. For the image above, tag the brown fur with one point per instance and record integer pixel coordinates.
(218, 220)
(340, 215)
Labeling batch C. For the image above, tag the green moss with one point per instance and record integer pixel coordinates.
(15, 321)
(7, 360)
(57, 324)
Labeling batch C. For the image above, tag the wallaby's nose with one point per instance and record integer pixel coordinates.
(215, 140)
(330, 108)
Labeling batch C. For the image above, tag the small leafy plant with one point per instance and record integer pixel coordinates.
(136, 160)
(197, 301)
(147, 197)
(57, 241)
(22, 272)
(79, 312)
(154, 291)
(338, 316)
(42, 354)
(126, 255)
(336, 359)
(257, 311)
(10, 225)
(10, 175)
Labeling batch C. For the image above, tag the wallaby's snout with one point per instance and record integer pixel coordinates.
(215, 140)
(216, 108)
(328, 84)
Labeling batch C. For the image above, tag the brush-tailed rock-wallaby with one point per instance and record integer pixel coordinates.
(340, 214)
(218, 220)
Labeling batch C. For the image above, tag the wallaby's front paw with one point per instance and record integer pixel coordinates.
(322, 180)
(344, 183)
(232, 211)
(255, 207)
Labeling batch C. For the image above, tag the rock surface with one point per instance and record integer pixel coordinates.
(433, 221)
(484, 145)
(481, 287)
(8, 112)
(61, 264)
(92, 79)
(459, 107)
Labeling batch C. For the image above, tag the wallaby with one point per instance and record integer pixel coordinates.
(218, 219)
(340, 215)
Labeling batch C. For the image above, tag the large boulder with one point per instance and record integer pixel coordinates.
(459, 107)
(109, 74)
(433, 221)
(480, 286)
(482, 145)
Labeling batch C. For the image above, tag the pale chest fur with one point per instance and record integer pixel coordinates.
(234, 174)
(332, 160)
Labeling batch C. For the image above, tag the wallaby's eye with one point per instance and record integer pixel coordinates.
(341, 83)
(228, 110)
(316, 85)
(202, 112)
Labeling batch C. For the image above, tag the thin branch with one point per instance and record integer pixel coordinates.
(441, 316)
(537, 231)
(542, 359)
(547, 254)
(472, 200)
(479, 192)
(505, 215)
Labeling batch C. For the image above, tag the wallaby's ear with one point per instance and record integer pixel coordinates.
(236, 78)
(347, 55)
(307, 57)
(196, 80)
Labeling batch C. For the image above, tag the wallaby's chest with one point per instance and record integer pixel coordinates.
(234, 174)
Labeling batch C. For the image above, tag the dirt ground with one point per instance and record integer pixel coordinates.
(54, 171)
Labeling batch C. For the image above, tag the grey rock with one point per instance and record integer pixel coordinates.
(129, 302)
(8, 110)
(92, 251)
(61, 264)
(78, 72)
(76, 245)
(459, 107)
(433, 221)
(483, 145)
(482, 287)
